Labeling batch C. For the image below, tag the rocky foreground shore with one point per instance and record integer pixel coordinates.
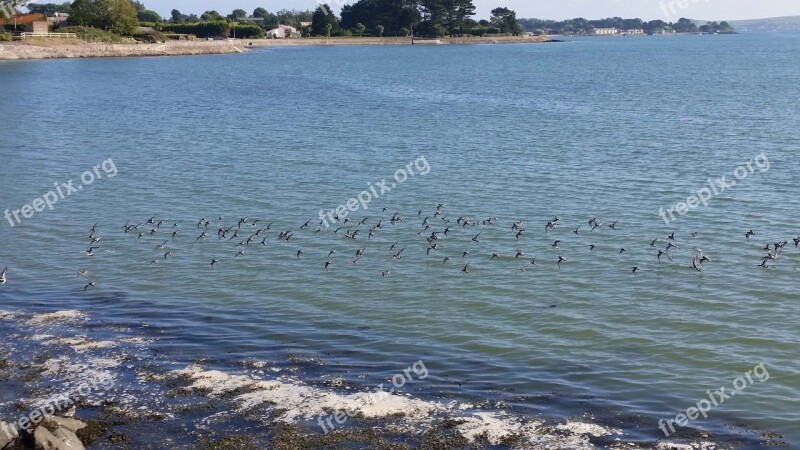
(129, 390)
(51, 433)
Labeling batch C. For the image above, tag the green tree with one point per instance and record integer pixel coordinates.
(685, 25)
(458, 11)
(448, 14)
(391, 14)
(211, 16)
(49, 9)
(270, 20)
(118, 16)
(138, 6)
(379, 28)
(438, 30)
(506, 20)
(655, 26)
(360, 27)
(149, 16)
(320, 20)
(238, 14)
(293, 17)
(177, 17)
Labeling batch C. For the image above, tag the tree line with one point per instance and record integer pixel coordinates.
(584, 26)
(421, 18)
(433, 18)
(429, 18)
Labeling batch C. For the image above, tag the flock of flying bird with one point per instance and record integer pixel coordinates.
(249, 233)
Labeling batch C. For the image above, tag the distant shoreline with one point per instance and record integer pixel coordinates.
(58, 49)
(70, 48)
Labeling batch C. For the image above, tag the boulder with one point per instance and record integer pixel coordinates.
(45, 440)
(53, 422)
(60, 439)
(69, 440)
(7, 434)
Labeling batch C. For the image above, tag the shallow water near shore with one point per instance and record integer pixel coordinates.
(608, 128)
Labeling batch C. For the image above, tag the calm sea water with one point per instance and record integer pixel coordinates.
(606, 128)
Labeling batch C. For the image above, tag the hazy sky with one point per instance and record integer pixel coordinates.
(543, 9)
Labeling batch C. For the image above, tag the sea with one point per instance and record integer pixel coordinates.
(583, 239)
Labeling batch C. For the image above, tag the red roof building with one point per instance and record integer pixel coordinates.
(23, 19)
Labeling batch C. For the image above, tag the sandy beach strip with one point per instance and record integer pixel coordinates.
(77, 49)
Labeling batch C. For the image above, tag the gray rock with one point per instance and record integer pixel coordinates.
(7, 434)
(60, 439)
(45, 440)
(69, 439)
(52, 423)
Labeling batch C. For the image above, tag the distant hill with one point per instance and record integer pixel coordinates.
(790, 23)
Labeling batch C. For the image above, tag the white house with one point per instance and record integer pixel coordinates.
(283, 31)
(604, 31)
(58, 18)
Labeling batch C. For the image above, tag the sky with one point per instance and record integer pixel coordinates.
(667, 10)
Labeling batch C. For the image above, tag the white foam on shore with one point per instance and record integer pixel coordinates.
(298, 401)
(666, 445)
(6, 315)
(43, 337)
(493, 426)
(137, 341)
(586, 428)
(93, 368)
(79, 343)
(58, 316)
(74, 378)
